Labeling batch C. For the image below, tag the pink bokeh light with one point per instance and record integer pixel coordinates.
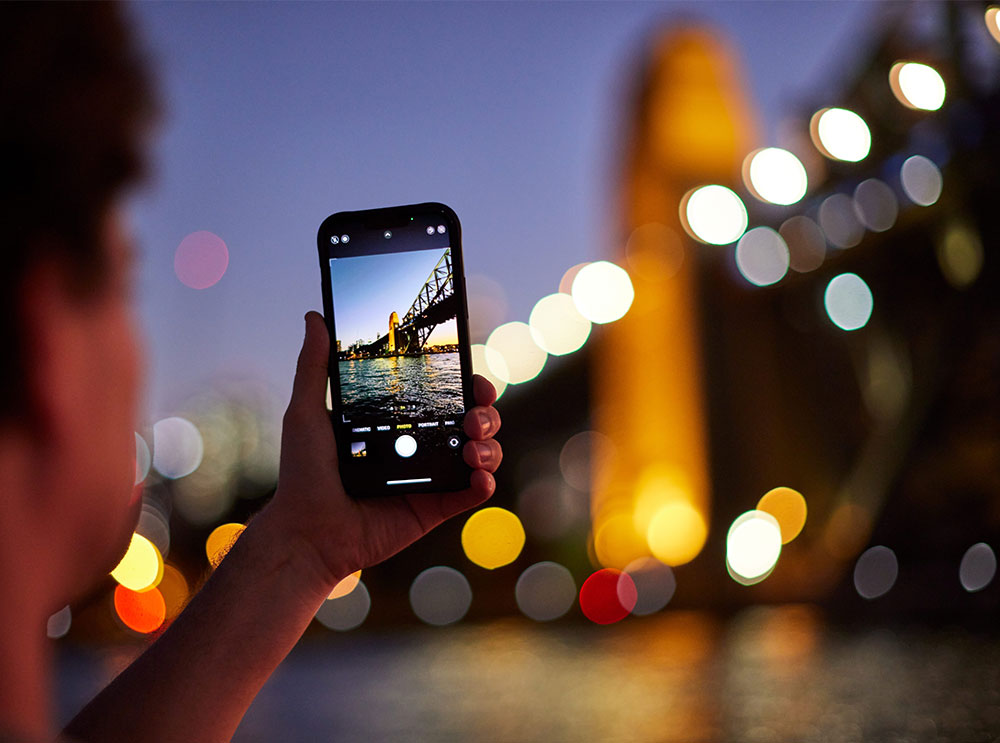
(201, 260)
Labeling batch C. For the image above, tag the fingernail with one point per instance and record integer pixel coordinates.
(485, 451)
(484, 421)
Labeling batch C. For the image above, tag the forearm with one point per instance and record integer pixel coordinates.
(196, 681)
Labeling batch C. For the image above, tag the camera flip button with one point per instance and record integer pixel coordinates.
(406, 445)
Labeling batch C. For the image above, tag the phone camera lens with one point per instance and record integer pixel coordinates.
(440, 229)
(387, 234)
(345, 238)
(334, 239)
(430, 230)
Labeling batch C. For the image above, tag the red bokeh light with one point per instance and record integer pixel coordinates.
(201, 259)
(143, 612)
(608, 596)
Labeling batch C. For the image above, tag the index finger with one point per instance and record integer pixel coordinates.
(483, 390)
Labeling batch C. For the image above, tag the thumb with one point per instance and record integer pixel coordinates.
(309, 387)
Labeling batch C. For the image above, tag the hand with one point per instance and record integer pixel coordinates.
(311, 504)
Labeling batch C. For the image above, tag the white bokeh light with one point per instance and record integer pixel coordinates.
(762, 256)
(602, 292)
(557, 325)
(545, 591)
(522, 357)
(484, 360)
(776, 176)
(714, 215)
(177, 447)
(875, 572)
(848, 301)
(440, 596)
(143, 460)
(753, 546)
(346, 612)
(978, 567)
(917, 86)
(921, 180)
(875, 205)
(841, 134)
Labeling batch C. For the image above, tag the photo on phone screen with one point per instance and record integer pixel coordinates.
(400, 375)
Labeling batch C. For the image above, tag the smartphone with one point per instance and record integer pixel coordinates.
(400, 363)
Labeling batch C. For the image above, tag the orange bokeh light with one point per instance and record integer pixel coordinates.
(143, 612)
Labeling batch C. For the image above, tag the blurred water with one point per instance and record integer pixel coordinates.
(428, 386)
(766, 675)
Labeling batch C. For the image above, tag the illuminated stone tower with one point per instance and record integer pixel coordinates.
(393, 324)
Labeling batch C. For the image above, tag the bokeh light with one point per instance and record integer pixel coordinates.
(201, 259)
(602, 292)
(581, 454)
(876, 205)
(677, 533)
(840, 222)
(566, 282)
(142, 566)
(221, 540)
(978, 567)
(345, 585)
(523, 359)
(492, 537)
(654, 252)
(346, 612)
(142, 611)
(921, 180)
(714, 215)
(848, 301)
(175, 591)
(654, 585)
(775, 175)
(177, 447)
(484, 360)
(59, 623)
(154, 525)
(806, 243)
(616, 541)
(960, 254)
(143, 460)
(545, 591)
(753, 546)
(762, 256)
(788, 508)
(440, 596)
(549, 508)
(557, 326)
(993, 22)
(607, 596)
(875, 572)
(917, 86)
(840, 134)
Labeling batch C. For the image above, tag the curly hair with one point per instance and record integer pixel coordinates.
(76, 102)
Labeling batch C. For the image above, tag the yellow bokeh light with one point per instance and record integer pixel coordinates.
(753, 546)
(557, 326)
(616, 542)
(142, 566)
(917, 86)
(221, 540)
(993, 22)
(788, 508)
(602, 292)
(840, 134)
(175, 591)
(654, 252)
(345, 585)
(677, 533)
(775, 175)
(714, 215)
(492, 537)
(660, 485)
(960, 254)
(484, 360)
(522, 357)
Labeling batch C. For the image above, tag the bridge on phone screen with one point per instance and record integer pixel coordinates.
(435, 303)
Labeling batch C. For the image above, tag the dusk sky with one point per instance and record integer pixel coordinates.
(278, 114)
(367, 289)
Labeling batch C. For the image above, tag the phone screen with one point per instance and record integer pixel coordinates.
(400, 374)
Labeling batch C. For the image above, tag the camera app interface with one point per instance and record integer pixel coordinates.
(395, 313)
